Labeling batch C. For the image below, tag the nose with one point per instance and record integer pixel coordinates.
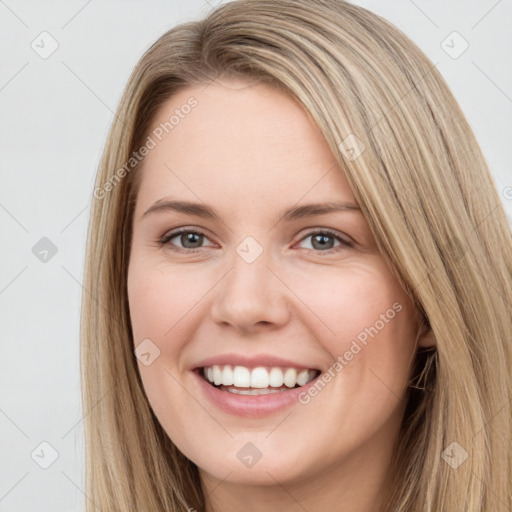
(251, 297)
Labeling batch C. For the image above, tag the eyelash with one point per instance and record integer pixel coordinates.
(165, 240)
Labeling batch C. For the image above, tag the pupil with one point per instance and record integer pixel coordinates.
(189, 237)
(324, 237)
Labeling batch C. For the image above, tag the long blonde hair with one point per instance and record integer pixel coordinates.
(426, 191)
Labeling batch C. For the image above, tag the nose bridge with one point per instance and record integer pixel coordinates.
(250, 293)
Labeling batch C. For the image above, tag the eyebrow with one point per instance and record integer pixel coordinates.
(290, 214)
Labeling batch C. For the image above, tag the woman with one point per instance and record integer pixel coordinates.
(261, 368)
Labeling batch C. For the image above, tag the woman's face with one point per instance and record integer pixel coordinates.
(220, 277)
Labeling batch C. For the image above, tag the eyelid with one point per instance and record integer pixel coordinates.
(165, 239)
(342, 246)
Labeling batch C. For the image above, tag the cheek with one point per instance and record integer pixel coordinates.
(158, 302)
(347, 303)
(160, 299)
(362, 317)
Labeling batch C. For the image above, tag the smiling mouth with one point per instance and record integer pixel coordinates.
(256, 381)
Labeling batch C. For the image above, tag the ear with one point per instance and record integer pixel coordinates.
(426, 338)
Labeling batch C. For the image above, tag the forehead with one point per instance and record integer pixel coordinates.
(241, 141)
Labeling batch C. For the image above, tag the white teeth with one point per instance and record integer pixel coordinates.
(303, 377)
(290, 377)
(227, 376)
(217, 375)
(276, 377)
(257, 378)
(241, 377)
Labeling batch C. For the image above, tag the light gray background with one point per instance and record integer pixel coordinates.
(55, 113)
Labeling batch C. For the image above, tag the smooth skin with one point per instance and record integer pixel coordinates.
(249, 152)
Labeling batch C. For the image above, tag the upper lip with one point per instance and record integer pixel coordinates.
(251, 361)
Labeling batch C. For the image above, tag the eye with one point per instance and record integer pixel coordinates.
(320, 241)
(190, 240)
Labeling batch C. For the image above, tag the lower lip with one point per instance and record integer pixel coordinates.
(253, 406)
